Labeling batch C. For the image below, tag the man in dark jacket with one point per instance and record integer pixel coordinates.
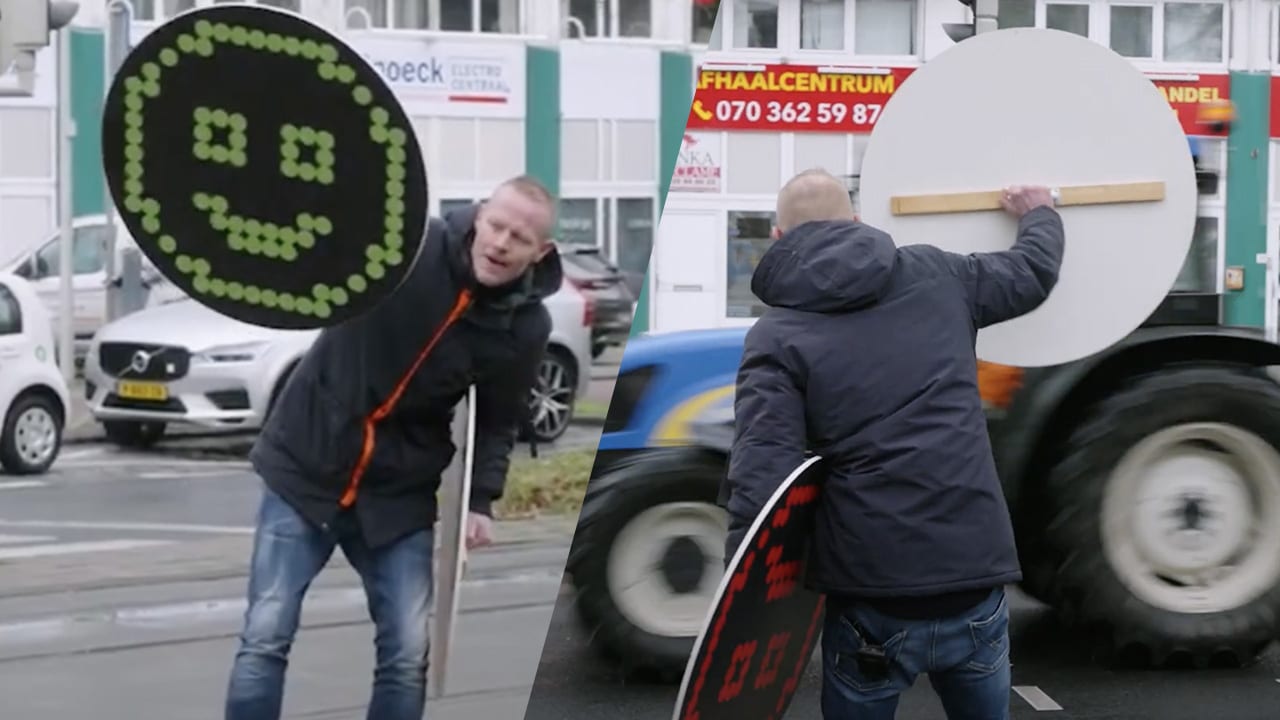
(866, 357)
(351, 455)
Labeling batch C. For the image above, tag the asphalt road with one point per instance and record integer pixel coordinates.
(1052, 676)
(121, 593)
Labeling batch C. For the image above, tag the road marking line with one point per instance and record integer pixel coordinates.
(1036, 698)
(130, 527)
(81, 453)
(18, 539)
(76, 463)
(22, 484)
(182, 475)
(71, 548)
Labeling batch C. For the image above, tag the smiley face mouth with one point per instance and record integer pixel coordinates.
(258, 237)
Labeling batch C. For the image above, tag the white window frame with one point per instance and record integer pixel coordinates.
(611, 30)
(350, 12)
(789, 49)
(1100, 31)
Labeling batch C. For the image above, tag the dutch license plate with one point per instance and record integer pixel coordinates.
(155, 392)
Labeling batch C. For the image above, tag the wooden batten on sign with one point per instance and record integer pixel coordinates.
(990, 200)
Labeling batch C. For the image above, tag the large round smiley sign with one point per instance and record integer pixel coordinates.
(264, 167)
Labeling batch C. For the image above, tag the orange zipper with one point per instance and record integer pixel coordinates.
(380, 413)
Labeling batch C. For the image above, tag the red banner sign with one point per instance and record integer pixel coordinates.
(805, 98)
(1275, 107)
(793, 98)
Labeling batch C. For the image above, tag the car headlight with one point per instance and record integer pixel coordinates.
(239, 353)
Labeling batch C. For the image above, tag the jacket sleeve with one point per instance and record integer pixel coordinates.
(1005, 285)
(502, 404)
(770, 434)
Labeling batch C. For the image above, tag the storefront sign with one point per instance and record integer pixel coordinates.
(1275, 107)
(698, 165)
(1188, 96)
(479, 78)
(805, 98)
(793, 98)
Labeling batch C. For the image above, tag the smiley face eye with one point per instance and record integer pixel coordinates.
(306, 154)
(221, 137)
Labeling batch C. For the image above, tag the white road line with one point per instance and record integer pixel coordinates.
(19, 539)
(22, 484)
(181, 475)
(77, 463)
(71, 548)
(130, 527)
(1036, 698)
(81, 453)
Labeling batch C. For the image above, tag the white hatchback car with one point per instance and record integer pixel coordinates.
(34, 401)
(180, 362)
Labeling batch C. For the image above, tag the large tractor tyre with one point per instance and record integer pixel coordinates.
(653, 560)
(1167, 514)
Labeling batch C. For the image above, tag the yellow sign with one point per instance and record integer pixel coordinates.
(155, 392)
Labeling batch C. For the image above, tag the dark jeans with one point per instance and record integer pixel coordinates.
(288, 553)
(966, 658)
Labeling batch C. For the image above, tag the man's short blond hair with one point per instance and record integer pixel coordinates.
(812, 196)
(533, 188)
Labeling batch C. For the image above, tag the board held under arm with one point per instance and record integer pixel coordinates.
(451, 554)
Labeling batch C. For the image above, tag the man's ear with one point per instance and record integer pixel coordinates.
(547, 246)
(775, 233)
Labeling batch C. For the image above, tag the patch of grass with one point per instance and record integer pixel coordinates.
(588, 409)
(549, 485)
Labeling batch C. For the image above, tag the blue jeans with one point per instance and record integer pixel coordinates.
(966, 658)
(288, 553)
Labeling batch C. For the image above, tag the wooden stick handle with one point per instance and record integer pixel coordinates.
(1071, 195)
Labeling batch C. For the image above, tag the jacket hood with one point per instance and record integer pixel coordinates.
(826, 267)
(542, 280)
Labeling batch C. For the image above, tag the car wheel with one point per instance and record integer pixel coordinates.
(1167, 504)
(31, 436)
(133, 434)
(650, 553)
(553, 396)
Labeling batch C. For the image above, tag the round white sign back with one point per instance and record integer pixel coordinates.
(1042, 107)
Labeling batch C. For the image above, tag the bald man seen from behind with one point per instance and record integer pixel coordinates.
(865, 356)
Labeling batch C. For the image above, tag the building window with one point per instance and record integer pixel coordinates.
(755, 23)
(147, 9)
(747, 239)
(479, 16)
(1073, 18)
(611, 18)
(578, 223)
(822, 24)
(1175, 32)
(292, 5)
(634, 234)
(1199, 272)
(1194, 32)
(10, 313)
(1131, 30)
(884, 27)
(704, 21)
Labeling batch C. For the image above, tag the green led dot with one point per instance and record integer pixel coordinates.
(168, 57)
(393, 224)
(392, 241)
(252, 228)
(397, 137)
(310, 50)
(395, 206)
(307, 172)
(184, 265)
(202, 151)
(133, 102)
(270, 231)
(218, 221)
(220, 154)
(257, 39)
(201, 201)
(325, 176)
(252, 294)
(322, 310)
(201, 266)
(303, 306)
(290, 151)
(219, 117)
(219, 204)
(375, 254)
(202, 115)
(374, 271)
(150, 70)
(133, 84)
(133, 119)
(292, 45)
(218, 287)
(204, 28)
(134, 153)
(269, 298)
(151, 224)
(395, 173)
(395, 189)
(288, 168)
(133, 135)
(275, 43)
(288, 236)
(201, 285)
(338, 296)
(379, 116)
(237, 122)
(357, 283)
(320, 292)
(324, 140)
(221, 32)
(239, 35)
(307, 135)
(151, 206)
(397, 155)
(151, 90)
(324, 158)
(346, 74)
(328, 71)
(167, 244)
(235, 223)
(394, 258)
(270, 249)
(239, 158)
(133, 204)
(322, 225)
(377, 133)
(328, 53)
(288, 253)
(254, 246)
(304, 221)
(235, 290)
(236, 242)
(362, 95)
(305, 240)
(204, 48)
(287, 302)
(202, 133)
(132, 187)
